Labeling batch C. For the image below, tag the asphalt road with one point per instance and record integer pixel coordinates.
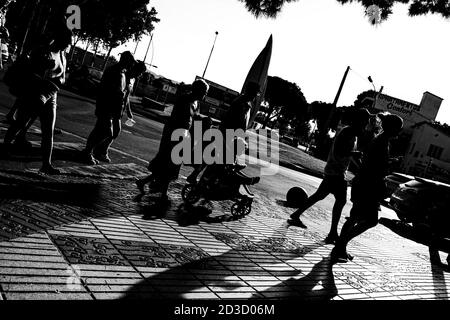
(76, 118)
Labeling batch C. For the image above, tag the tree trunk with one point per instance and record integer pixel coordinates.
(73, 48)
(85, 52)
(269, 113)
(107, 58)
(95, 54)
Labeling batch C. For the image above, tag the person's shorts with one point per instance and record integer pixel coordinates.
(367, 211)
(336, 185)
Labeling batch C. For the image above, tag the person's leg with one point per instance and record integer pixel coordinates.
(48, 119)
(317, 196)
(101, 151)
(363, 217)
(21, 139)
(22, 117)
(140, 183)
(164, 188)
(11, 116)
(102, 131)
(340, 194)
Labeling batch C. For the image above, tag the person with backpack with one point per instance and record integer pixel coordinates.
(42, 76)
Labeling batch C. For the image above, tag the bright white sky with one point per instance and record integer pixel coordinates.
(313, 43)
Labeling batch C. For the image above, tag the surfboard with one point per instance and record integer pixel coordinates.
(258, 73)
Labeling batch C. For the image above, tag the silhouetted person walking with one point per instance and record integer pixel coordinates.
(47, 74)
(109, 106)
(368, 187)
(342, 151)
(237, 117)
(101, 151)
(162, 166)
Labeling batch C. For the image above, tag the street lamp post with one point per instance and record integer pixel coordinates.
(148, 47)
(375, 91)
(207, 63)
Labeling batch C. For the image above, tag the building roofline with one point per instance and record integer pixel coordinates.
(433, 95)
(433, 125)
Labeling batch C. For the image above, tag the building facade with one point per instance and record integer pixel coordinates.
(424, 144)
(217, 100)
(429, 152)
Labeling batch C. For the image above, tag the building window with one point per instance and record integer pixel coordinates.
(434, 151)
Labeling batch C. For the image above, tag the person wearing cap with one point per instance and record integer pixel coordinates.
(368, 187)
(163, 169)
(109, 107)
(343, 151)
(101, 151)
(237, 117)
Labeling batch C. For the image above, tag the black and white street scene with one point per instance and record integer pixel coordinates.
(224, 150)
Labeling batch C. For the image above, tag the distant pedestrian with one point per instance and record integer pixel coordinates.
(343, 150)
(368, 187)
(162, 167)
(46, 75)
(109, 106)
(101, 151)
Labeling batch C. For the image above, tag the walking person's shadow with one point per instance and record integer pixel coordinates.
(238, 266)
(320, 275)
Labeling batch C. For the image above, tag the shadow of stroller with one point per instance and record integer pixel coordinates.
(188, 214)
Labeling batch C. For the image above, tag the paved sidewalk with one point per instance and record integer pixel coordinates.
(83, 235)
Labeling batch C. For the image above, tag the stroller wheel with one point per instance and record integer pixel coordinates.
(189, 194)
(241, 208)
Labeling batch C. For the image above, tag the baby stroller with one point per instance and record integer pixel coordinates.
(222, 182)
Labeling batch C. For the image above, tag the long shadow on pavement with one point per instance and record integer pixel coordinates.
(211, 272)
(415, 234)
(434, 245)
(32, 203)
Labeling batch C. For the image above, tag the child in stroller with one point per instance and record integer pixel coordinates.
(222, 182)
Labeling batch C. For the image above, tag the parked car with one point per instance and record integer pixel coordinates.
(291, 141)
(424, 201)
(84, 79)
(394, 180)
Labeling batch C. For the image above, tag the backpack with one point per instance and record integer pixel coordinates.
(17, 74)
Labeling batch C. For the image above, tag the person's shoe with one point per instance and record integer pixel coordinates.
(89, 158)
(140, 185)
(337, 256)
(103, 158)
(296, 223)
(50, 170)
(240, 167)
(331, 239)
